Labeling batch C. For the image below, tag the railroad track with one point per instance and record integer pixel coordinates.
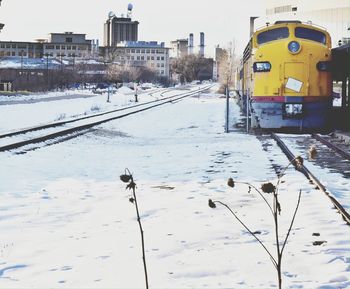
(59, 131)
(343, 154)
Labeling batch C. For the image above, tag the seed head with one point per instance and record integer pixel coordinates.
(230, 182)
(125, 178)
(299, 161)
(312, 152)
(211, 204)
(131, 200)
(268, 188)
(131, 186)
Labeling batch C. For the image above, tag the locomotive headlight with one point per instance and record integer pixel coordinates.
(324, 66)
(294, 47)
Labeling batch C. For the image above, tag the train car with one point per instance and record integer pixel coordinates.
(285, 77)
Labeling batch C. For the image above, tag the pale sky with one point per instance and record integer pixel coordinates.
(160, 20)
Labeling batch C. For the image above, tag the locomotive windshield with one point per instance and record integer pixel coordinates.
(273, 34)
(310, 34)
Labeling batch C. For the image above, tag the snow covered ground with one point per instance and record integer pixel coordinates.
(56, 106)
(66, 220)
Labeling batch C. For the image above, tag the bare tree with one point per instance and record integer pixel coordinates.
(123, 72)
(189, 66)
(227, 63)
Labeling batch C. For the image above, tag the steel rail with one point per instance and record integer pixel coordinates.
(332, 146)
(61, 123)
(303, 169)
(92, 124)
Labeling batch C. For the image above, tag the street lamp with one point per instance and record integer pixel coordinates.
(22, 51)
(61, 55)
(47, 55)
(73, 55)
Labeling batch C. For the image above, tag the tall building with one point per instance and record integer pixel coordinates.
(119, 29)
(332, 15)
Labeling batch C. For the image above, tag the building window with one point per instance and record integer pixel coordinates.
(162, 65)
(132, 50)
(158, 58)
(153, 51)
(162, 58)
(148, 51)
(138, 57)
(57, 47)
(69, 47)
(13, 53)
(148, 58)
(142, 51)
(63, 47)
(137, 50)
(13, 45)
(8, 46)
(152, 57)
(127, 50)
(69, 39)
(2, 45)
(74, 47)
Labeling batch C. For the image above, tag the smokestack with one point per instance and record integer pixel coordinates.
(252, 25)
(201, 46)
(190, 44)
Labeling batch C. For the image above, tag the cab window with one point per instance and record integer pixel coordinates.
(273, 34)
(310, 34)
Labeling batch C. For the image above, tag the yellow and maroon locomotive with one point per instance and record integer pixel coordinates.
(285, 76)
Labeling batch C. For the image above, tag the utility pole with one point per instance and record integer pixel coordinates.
(1, 24)
(47, 68)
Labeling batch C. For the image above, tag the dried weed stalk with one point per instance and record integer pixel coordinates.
(131, 185)
(275, 209)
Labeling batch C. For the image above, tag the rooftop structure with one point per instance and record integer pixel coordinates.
(332, 15)
(119, 29)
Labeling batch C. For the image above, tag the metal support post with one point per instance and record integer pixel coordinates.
(227, 110)
(247, 104)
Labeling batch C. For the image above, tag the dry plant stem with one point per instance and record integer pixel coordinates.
(260, 242)
(141, 231)
(279, 255)
(258, 191)
(292, 223)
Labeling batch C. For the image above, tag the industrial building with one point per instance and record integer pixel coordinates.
(178, 48)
